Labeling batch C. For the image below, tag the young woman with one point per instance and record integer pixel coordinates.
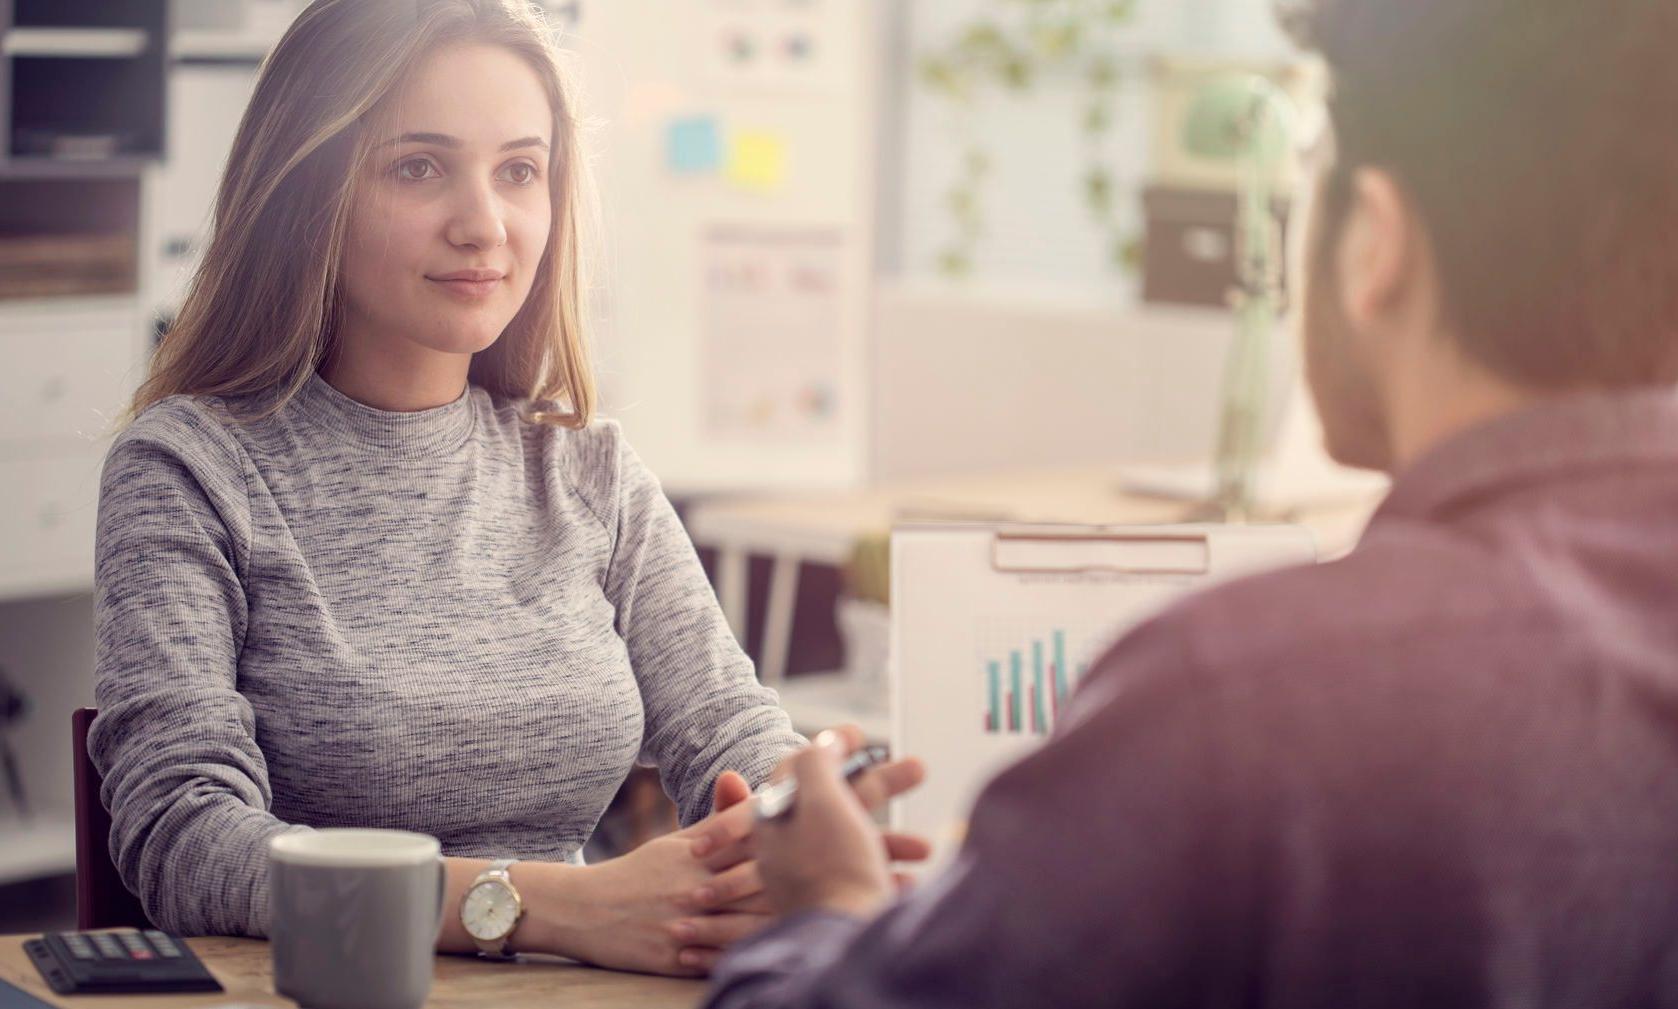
(365, 555)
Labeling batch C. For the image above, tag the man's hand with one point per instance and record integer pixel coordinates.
(725, 839)
(824, 853)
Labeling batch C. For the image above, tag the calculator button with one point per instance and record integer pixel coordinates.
(108, 946)
(164, 945)
(80, 948)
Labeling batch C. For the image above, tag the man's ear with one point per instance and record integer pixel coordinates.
(1379, 252)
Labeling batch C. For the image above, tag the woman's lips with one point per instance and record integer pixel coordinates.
(468, 290)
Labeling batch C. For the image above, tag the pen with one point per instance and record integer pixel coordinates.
(775, 800)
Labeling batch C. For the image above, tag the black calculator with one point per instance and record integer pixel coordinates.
(124, 960)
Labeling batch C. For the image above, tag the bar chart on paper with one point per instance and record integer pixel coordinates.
(997, 632)
(1026, 681)
(994, 695)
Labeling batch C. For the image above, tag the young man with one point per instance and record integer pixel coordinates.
(1444, 770)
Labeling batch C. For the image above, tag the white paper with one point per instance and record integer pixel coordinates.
(956, 619)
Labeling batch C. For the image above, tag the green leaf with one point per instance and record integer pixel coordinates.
(1103, 73)
(1098, 189)
(981, 38)
(1119, 11)
(1127, 253)
(1056, 42)
(962, 201)
(955, 263)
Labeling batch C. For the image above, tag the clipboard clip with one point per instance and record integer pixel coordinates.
(1084, 552)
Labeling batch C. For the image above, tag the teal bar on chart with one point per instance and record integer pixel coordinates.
(1060, 666)
(1018, 695)
(1028, 698)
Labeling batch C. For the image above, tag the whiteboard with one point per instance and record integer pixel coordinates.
(739, 130)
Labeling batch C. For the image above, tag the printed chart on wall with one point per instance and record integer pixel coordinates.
(772, 334)
(994, 627)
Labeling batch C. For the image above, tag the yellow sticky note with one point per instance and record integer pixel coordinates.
(757, 159)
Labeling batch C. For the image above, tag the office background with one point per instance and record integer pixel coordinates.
(935, 214)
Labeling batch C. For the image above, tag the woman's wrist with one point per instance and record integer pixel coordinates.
(557, 908)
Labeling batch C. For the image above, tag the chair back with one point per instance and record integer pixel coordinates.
(102, 901)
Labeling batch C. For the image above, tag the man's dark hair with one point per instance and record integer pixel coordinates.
(1538, 142)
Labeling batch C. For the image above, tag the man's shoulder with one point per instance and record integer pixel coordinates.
(1346, 668)
(1398, 582)
(1402, 614)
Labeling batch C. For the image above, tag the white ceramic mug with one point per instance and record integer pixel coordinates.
(353, 917)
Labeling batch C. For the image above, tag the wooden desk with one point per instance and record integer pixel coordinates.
(243, 968)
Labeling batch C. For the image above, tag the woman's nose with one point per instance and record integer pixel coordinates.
(476, 222)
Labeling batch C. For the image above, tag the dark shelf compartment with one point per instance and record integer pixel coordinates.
(83, 109)
(146, 14)
(92, 108)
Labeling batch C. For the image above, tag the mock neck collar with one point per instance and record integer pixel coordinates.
(403, 433)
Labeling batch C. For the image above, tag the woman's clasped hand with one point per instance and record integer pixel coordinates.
(673, 905)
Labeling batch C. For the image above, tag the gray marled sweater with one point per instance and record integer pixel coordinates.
(451, 621)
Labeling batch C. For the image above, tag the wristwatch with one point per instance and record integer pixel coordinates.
(491, 910)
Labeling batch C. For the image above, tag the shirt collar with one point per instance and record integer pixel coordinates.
(1567, 436)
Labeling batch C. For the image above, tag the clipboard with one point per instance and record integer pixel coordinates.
(993, 626)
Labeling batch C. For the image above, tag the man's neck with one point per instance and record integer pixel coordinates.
(1441, 396)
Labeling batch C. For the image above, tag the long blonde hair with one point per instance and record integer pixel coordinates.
(261, 312)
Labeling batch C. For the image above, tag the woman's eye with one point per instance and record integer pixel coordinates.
(521, 173)
(414, 170)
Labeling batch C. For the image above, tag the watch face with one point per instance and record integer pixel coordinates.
(490, 910)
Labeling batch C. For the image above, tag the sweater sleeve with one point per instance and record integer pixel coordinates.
(705, 710)
(184, 779)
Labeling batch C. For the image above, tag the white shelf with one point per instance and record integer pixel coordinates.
(95, 43)
(68, 309)
(210, 44)
(44, 847)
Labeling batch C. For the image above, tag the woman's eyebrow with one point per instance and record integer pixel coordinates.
(444, 140)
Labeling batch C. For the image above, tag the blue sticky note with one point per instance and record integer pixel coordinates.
(694, 145)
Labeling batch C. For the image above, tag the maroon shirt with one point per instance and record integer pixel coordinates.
(1442, 771)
